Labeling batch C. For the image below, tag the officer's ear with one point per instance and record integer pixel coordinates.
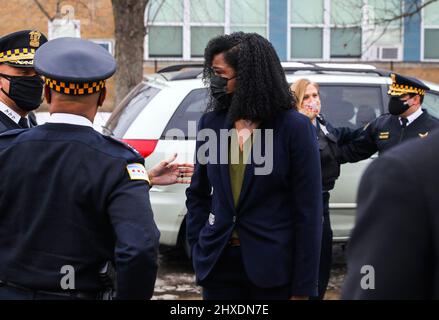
(102, 96)
(416, 98)
(48, 94)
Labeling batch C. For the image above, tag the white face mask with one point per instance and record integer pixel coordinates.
(310, 109)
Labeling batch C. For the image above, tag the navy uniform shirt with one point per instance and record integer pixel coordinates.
(384, 133)
(70, 196)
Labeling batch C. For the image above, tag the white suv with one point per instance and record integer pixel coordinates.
(175, 98)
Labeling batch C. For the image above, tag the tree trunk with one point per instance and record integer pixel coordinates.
(130, 31)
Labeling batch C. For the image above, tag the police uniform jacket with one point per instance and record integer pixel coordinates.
(392, 253)
(384, 133)
(67, 198)
(330, 139)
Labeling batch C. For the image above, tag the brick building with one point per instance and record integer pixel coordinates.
(314, 30)
(95, 19)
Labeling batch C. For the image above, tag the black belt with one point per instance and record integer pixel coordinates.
(73, 294)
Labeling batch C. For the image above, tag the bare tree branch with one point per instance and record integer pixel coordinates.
(413, 10)
(44, 11)
(155, 15)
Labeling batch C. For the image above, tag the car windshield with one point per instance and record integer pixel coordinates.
(128, 110)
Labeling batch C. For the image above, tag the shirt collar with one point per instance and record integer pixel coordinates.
(14, 116)
(415, 115)
(70, 119)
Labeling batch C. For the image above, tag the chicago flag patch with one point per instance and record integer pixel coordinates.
(137, 172)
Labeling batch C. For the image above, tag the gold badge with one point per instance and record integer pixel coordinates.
(423, 135)
(34, 39)
(384, 135)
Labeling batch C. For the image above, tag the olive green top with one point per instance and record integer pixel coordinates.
(237, 164)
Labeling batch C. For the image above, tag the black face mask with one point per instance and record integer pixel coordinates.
(26, 92)
(218, 89)
(397, 107)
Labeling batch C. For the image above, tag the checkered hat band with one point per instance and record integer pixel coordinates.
(72, 88)
(17, 54)
(397, 89)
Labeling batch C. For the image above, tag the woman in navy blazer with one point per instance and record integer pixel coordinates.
(254, 227)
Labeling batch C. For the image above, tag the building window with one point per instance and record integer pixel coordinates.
(324, 29)
(382, 30)
(249, 16)
(307, 43)
(345, 32)
(181, 29)
(165, 41)
(165, 35)
(431, 31)
(346, 42)
(342, 29)
(207, 20)
(107, 44)
(307, 29)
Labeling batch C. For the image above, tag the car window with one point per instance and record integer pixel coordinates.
(189, 110)
(351, 106)
(431, 103)
(125, 114)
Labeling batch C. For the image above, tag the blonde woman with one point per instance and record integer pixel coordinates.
(329, 138)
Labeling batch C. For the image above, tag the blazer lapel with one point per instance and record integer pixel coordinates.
(224, 167)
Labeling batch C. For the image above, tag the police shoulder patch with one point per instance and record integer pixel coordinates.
(137, 171)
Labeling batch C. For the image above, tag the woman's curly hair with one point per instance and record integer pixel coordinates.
(261, 90)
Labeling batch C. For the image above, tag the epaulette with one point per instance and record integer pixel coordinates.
(13, 132)
(124, 144)
(384, 114)
(377, 119)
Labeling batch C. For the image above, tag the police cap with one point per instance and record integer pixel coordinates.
(74, 66)
(18, 49)
(406, 85)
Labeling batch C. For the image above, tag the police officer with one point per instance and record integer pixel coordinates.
(407, 120)
(77, 199)
(21, 89)
(393, 250)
